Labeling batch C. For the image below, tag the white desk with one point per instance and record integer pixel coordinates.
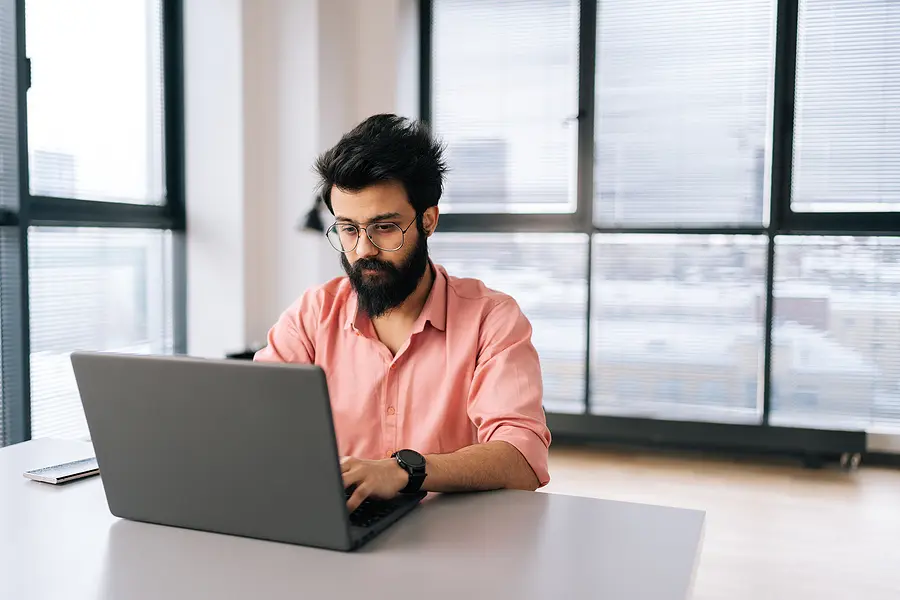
(61, 542)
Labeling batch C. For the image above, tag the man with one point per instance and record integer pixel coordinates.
(434, 381)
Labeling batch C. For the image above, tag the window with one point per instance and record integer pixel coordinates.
(694, 317)
(505, 102)
(11, 388)
(95, 108)
(712, 392)
(11, 393)
(736, 165)
(92, 213)
(683, 111)
(847, 126)
(751, 393)
(117, 286)
(546, 276)
(669, 390)
(821, 282)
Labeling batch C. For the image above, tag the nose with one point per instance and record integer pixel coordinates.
(365, 248)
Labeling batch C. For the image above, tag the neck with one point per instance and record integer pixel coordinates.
(411, 308)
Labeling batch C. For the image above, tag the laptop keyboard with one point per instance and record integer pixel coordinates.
(370, 511)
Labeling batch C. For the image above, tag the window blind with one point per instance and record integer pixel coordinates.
(836, 333)
(683, 96)
(504, 98)
(10, 318)
(9, 152)
(847, 120)
(92, 289)
(11, 364)
(95, 108)
(678, 326)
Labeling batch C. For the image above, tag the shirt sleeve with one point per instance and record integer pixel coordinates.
(506, 398)
(291, 338)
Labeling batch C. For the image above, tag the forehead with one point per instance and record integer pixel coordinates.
(382, 198)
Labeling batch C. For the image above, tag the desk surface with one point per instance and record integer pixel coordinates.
(62, 542)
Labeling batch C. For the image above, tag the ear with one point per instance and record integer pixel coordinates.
(430, 219)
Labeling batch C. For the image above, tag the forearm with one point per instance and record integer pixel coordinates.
(490, 466)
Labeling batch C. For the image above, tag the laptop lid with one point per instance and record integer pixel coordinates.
(219, 445)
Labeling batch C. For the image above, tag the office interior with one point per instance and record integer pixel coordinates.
(696, 204)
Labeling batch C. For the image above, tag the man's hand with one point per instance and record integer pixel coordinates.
(382, 479)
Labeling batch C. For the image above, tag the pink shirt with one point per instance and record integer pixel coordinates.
(468, 373)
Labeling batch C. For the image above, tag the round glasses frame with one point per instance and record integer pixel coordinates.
(359, 230)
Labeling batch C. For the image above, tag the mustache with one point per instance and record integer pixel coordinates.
(371, 263)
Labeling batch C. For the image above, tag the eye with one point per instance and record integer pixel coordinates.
(347, 229)
(384, 227)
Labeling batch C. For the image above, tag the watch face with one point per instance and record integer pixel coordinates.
(411, 458)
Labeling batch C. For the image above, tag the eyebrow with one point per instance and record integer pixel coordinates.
(381, 217)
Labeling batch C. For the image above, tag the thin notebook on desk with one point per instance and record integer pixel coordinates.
(65, 472)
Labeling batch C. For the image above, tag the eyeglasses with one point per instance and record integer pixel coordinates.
(389, 237)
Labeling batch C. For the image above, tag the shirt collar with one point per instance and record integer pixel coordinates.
(352, 310)
(434, 311)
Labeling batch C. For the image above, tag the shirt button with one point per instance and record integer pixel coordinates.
(394, 366)
(391, 410)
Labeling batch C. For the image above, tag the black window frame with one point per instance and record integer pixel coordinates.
(782, 221)
(37, 210)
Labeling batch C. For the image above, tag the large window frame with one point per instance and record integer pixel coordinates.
(36, 211)
(782, 221)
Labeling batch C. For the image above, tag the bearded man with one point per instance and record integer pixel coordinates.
(434, 382)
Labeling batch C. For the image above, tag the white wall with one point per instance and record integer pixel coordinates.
(215, 175)
(268, 85)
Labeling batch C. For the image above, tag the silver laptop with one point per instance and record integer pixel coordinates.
(227, 446)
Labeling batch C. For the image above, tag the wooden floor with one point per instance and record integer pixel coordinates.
(773, 531)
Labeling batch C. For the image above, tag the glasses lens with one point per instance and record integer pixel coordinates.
(387, 236)
(343, 237)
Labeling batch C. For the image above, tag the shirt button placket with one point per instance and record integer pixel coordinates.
(391, 405)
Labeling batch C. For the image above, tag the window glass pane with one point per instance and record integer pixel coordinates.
(92, 289)
(9, 117)
(10, 335)
(683, 95)
(505, 91)
(95, 107)
(546, 276)
(4, 331)
(11, 362)
(846, 119)
(836, 333)
(678, 326)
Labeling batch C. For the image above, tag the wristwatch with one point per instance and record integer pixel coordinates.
(414, 464)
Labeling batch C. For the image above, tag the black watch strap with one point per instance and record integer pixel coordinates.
(415, 482)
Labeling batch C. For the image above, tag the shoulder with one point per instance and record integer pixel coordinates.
(497, 310)
(474, 293)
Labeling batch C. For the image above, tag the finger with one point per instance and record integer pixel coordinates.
(352, 477)
(346, 463)
(360, 494)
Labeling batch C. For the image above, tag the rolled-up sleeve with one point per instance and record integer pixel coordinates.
(290, 339)
(506, 398)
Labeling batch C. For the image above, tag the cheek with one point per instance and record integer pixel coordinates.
(395, 261)
(401, 258)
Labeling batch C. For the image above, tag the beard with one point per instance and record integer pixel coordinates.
(390, 285)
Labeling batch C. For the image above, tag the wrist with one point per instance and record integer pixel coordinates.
(400, 476)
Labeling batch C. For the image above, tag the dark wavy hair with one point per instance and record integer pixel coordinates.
(385, 147)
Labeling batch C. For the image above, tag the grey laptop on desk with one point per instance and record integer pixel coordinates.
(226, 446)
